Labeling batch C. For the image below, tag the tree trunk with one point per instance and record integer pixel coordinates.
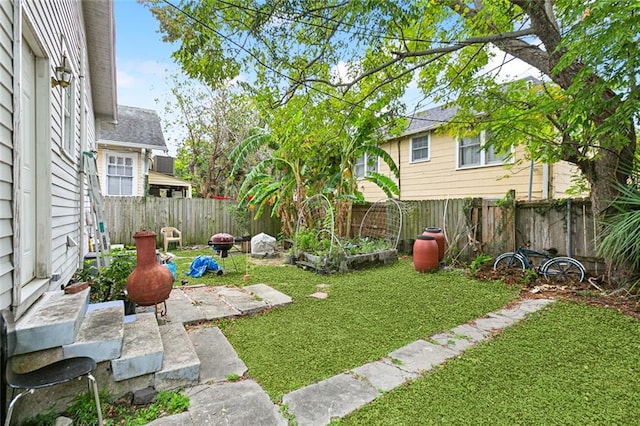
(605, 174)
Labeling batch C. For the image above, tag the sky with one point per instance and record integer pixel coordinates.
(144, 62)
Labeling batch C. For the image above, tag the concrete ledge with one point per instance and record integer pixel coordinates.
(53, 321)
(101, 333)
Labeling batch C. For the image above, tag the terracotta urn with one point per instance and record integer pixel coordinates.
(150, 282)
(425, 253)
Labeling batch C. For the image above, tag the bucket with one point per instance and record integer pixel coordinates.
(425, 253)
(439, 236)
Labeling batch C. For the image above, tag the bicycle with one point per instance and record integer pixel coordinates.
(552, 267)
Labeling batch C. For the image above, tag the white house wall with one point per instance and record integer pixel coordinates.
(6, 152)
(57, 28)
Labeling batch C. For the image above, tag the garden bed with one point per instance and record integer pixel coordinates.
(345, 263)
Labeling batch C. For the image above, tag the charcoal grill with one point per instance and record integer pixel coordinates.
(221, 243)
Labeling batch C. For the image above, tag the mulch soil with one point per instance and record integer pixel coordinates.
(592, 290)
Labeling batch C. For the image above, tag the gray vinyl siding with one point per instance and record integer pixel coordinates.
(55, 20)
(6, 152)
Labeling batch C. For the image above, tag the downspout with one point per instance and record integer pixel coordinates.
(530, 181)
(569, 230)
(399, 174)
(545, 181)
(145, 172)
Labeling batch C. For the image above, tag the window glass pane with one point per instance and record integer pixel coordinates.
(113, 186)
(126, 186)
(469, 151)
(128, 161)
(420, 148)
(359, 167)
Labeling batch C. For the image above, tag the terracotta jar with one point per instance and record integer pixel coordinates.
(439, 236)
(150, 282)
(425, 253)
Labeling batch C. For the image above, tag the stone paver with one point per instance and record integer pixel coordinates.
(242, 300)
(452, 341)
(269, 295)
(496, 322)
(238, 403)
(218, 359)
(182, 309)
(383, 375)
(469, 332)
(337, 396)
(208, 301)
(421, 356)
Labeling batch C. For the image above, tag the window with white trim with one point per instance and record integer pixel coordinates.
(420, 148)
(365, 165)
(472, 154)
(120, 174)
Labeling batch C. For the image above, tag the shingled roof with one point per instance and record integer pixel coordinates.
(430, 119)
(137, 127)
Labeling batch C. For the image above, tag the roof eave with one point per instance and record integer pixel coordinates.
(101, 40)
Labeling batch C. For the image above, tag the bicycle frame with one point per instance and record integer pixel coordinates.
(524, 253)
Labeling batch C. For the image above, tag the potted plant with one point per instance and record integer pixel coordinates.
(109, 282)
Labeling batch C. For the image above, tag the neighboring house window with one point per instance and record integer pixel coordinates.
(119, 175)
(420, 148)
(471, 153)
(68, 110)
(365, 165)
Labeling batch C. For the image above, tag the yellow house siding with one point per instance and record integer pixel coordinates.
(439, 177)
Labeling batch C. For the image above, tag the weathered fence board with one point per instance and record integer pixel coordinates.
(196, 218)
(475, 226)
(471, 226)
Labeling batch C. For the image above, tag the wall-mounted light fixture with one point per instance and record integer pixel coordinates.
(63, 75)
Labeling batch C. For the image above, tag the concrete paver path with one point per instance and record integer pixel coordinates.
(245, 402)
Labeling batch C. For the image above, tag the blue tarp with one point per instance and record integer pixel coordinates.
(202, 264)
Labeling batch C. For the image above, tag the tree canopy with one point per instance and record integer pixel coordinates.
(583, 110)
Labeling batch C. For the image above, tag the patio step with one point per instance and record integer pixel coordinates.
(142, 349)
(180, 364)
(53, 321)
(101, 332)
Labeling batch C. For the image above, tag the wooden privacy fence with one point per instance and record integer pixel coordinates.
(480, 226)
(197, 218)
(472, 226)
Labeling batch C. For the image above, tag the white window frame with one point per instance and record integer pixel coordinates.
(134, 172)
(367, 164)
(483, 154)
(412, 148)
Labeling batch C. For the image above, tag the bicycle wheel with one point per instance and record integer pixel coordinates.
(563, 269)
(509, 261)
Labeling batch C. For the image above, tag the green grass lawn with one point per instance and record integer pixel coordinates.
(569, 364)
(367, 315)
(572, 364)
